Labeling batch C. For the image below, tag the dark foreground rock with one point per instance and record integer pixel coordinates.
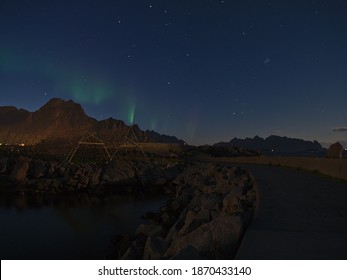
(210, 205)
(27, 176)
(205, 218)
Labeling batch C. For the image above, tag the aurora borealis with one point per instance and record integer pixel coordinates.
(204, 71)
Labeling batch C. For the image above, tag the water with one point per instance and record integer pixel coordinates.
(74, 227)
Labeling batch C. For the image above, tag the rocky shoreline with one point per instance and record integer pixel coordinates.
(205, 218)
(208, 210)
(24, 176)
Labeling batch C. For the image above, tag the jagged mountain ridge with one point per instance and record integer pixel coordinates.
(273, 143)
(59, 117)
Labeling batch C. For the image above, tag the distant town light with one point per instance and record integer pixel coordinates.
(21, 145)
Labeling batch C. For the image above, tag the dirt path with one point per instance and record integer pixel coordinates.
(299, 216)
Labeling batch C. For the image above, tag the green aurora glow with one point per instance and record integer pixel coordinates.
(81, 86)
(131, 113)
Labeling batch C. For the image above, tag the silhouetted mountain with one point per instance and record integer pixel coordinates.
(161, 138)
(273, 143)
(11, 116)
(60, 118)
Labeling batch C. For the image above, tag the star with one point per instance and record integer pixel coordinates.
(267, 60)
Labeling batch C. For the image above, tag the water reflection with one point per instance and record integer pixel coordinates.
(68, 227)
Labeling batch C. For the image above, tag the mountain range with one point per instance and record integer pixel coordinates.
(273, 144)
(60, 118)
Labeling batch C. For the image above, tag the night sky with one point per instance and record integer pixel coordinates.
(204, 71)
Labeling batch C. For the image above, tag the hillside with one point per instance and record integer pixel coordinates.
(64, 119)
(275, 144)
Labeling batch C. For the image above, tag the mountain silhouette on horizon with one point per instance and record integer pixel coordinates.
(58, 116)
(273, 143)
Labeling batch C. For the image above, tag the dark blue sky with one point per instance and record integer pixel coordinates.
(204, 71)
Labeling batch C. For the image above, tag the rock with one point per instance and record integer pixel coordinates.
(148, 229)
(188, 253)
(226, 231)
(95, 177)
(218, 239)
(166, 218)
(194, 220)
(135, 249)
(118, 172)
(3, 165)
(10, 165)
(51, 168)
(211, 201)
(83, 181)
(232, 204)
(155, 248)
(37, 169)
(171, 173)
(200, 238)
(72, 183)
(43, 184)
(19, 172)
(56, 184)
(180, 201)
(154, 176)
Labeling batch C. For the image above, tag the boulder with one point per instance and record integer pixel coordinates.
(51, 168)
(232, 204)
(188, 253)
(148, 229)
(155, 248)
(218, 239)
(19, 173)
(154, 176)
(37, 169)
(200, 238)
(3, 165)
(194, 220)
(118, 171)
(8, 165)
(226, 231)
(43, 184)
(95, 177)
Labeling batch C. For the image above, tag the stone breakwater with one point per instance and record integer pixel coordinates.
(205, 218)
(23, 175)
(208, 210)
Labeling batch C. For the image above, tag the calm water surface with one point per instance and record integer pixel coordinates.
(74, 227)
